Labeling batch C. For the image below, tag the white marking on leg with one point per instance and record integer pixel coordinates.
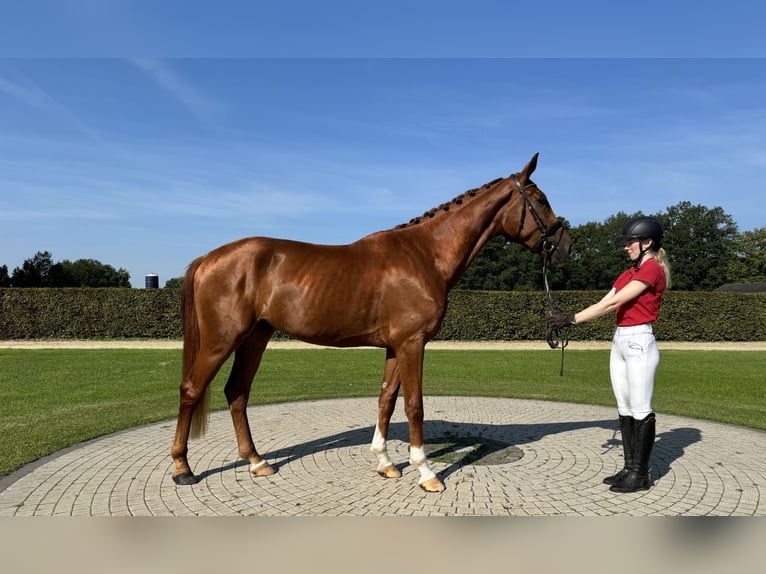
(379, 447)
(418, 460)
(254, 467)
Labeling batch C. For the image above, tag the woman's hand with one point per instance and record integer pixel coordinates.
(559, 319)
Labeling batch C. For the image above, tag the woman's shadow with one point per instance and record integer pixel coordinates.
(670, 446)
(460, 444)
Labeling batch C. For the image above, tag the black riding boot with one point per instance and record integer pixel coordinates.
(627, 428)
(638, 478)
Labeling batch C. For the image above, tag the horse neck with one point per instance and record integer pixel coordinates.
(459, 234)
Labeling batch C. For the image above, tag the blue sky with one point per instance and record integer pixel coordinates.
(145, 151)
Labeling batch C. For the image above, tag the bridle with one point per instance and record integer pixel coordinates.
(555, 337)
(544, 242)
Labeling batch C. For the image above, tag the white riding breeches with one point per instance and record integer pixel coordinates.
(632, 363)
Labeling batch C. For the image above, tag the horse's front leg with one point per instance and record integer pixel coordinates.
(386, 404)
(410, 360)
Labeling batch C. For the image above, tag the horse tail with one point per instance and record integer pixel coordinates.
(191, 348)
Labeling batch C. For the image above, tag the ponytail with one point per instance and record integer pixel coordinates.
(662, 259)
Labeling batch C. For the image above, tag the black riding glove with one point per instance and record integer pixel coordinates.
(559, 320)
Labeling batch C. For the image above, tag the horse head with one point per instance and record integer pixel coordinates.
(528, 218)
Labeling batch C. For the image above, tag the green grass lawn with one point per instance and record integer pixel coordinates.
(51, 399)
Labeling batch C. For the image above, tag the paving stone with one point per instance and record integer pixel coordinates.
(499, 457)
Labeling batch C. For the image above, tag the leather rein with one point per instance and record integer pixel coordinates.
(555, 337)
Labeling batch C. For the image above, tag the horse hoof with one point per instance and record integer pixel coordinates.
(432, 485)
(185, 478)
(264, 469)
(389, 472)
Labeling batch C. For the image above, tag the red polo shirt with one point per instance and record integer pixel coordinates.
(646, 307)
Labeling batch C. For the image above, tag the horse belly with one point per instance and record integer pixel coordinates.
(324, 316)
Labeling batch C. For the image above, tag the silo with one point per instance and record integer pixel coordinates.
(152, 281)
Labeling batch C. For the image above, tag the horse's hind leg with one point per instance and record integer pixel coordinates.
(247, 359)
(386, 404)
(194, 394)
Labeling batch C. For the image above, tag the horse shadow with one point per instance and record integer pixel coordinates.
(487, 441)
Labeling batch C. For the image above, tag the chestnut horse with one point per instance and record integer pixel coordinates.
(386, 290)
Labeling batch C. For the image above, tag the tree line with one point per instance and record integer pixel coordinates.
(704, 247)
(41, 271)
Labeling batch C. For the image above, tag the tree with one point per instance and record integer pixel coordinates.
(502, 265)
(700, 243)
(5, 279)
(597, 257)
(88, 273)
(174, 283)
(703, 246)
(40, 271)
(33, 272)
(596, 261)
(486, 271)
(748, 263)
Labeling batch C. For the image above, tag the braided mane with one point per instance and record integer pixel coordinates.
(457, 201)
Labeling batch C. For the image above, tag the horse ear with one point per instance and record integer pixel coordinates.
(529, 169)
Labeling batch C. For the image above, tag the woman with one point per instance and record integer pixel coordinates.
(635, 297)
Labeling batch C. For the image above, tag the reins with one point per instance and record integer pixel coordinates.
(556, 337)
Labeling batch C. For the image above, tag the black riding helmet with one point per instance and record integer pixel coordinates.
(643, 228)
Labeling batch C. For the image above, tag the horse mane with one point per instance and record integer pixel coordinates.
(456, 201)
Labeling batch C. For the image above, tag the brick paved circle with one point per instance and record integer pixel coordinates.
(502, 457)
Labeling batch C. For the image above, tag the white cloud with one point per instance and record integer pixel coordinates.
(35, 97)
(204, 109)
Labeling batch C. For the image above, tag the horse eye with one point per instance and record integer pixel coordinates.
(542, 202)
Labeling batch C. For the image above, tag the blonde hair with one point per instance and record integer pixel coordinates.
(662, 259)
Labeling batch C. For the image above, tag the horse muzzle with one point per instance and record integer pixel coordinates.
(554, 244)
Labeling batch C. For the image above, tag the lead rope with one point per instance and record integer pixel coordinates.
(556, 338)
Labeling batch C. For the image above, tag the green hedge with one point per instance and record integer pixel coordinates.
(88, 313)
(685, 316)
(472, 315)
